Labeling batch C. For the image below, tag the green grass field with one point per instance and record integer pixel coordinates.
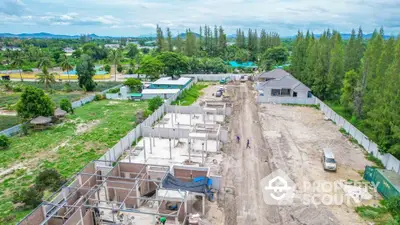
(11, 98)
(63, 148)
(59, 86)
(190, 95)
(8, 121)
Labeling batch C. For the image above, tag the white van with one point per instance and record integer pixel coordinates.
(328, 160)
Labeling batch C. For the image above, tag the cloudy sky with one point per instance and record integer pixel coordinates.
(139, 17)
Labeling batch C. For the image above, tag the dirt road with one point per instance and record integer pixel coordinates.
(245, 167)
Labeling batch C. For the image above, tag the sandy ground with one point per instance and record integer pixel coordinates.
(296, 136)
(281, 137)
(244, 168)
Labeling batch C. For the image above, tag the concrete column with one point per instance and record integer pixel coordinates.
(173, 133)
(80, 212)
(154, 141)
(170, 149)
(151, 146)
(215, 116)
(189, 151)
(206, 143)
(144, 149)
(204, 205)
(202, 154)
(190, 119)
(137, 195)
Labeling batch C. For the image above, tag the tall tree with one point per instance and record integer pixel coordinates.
(174, 63)
(221, 41)
(17, 62)
(85, 71)
(169, 40)
(350, 83)
(114, 56)
(151, 67)
(132, 51)
(369, 68)
(66, 65)
(263, 41)
(46, 77)
(336, 68)
(160, 42)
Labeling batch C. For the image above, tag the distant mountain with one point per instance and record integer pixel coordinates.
(183, 35)
(43, 35)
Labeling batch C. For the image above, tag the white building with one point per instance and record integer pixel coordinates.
(68, 51)
(279, 83)
(112, 46)
(163, 93)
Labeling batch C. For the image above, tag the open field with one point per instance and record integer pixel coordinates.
(7, 121)
(59, 86)
(67, 147)
(11, 98)
(296, 137)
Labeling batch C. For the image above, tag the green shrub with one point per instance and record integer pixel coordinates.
(67, 87)
(18, 88)
(66, 105)
(154, 103)
(49, 179)
(377, 161)
(30, 197)
(113, 90)
(371, 212)
(98, 97)
(26, 69)
(393, 205)
(107, 68)
(119, 68)
(134, 84)
(4, 142)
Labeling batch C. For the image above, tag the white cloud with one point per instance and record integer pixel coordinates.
(284, 16)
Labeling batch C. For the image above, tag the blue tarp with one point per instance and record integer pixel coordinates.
(235, 64)
(199, 184)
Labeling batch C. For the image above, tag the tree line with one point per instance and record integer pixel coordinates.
(213, 42)
(363, 76)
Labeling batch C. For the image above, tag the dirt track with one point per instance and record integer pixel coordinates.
(287, 138)
(243, 167)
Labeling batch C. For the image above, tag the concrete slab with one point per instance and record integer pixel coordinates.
(185, 121)
(160, 153)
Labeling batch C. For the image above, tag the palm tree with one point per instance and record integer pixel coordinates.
(44, 61)
(17, 62)
(66, 65)
(114, 56)
(46, 77)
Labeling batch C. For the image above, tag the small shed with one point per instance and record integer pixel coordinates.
(41, 122)
(59, 113)
(135, 96)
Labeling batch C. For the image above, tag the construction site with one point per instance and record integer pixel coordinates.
(171, 171)
(202, 164)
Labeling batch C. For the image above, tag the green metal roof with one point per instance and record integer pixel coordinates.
(136, 94)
